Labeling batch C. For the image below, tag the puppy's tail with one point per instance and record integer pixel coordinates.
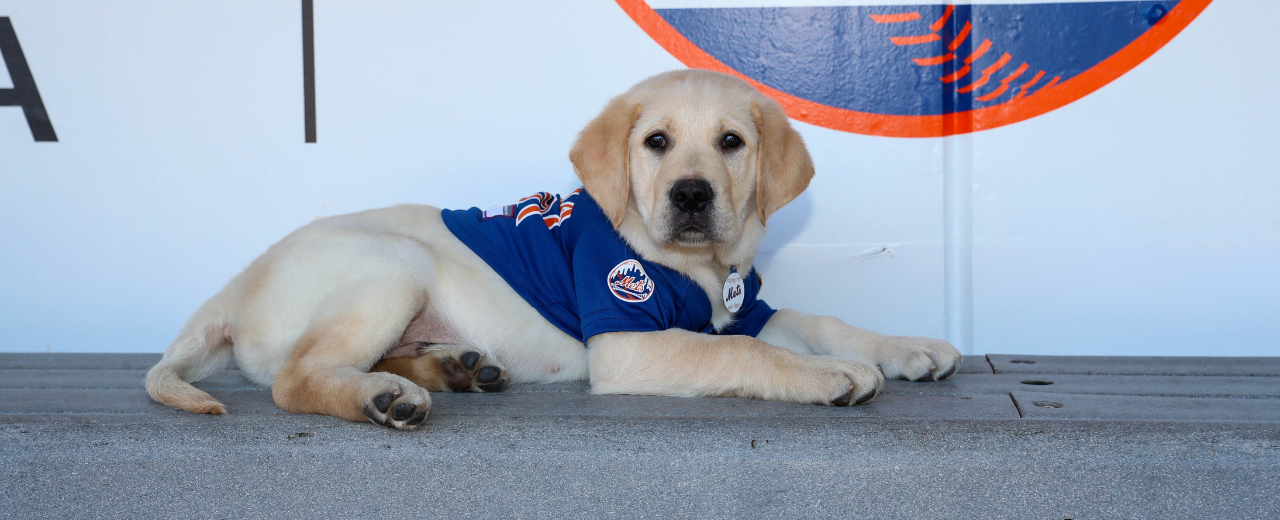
(203, 347)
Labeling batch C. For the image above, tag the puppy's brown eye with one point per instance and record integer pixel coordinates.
(731, 142)
(656, 142)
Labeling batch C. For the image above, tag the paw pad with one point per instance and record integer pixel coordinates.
(867, 396)
(844, 399)
(469, 360)
(383, 401)
(403, 411)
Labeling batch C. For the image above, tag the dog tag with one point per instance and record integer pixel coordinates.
(734, 290)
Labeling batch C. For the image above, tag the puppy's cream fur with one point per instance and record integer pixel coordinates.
(319, 309)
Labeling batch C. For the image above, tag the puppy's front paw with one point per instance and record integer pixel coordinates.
(847, 382)
(917, 359)
(394, 402)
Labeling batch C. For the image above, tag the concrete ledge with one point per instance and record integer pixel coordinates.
(84, 442)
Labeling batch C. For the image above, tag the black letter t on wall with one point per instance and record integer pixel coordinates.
(23, 93)
(309, 69)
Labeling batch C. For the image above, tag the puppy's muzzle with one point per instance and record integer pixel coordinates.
(692, 221)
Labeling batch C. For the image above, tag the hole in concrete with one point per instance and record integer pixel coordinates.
(1036, 382)
(1047, 404)
(1023, 361)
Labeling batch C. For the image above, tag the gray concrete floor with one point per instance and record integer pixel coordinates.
(1008, 437)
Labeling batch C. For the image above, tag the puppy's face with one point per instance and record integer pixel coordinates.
(695, 156)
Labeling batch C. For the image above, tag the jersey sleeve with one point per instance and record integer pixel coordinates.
(619, 292)
(754, 314)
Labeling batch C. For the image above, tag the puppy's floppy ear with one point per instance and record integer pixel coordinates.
(600, 157)
(785, 166)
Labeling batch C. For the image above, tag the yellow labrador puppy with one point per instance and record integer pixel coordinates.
(649, 265)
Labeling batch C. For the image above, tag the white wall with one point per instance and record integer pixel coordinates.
(1139, 220)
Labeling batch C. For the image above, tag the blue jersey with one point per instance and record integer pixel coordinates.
(564, 257)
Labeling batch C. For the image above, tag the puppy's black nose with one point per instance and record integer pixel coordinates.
(692, 195)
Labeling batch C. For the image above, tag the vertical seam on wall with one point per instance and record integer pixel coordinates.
(958, 240)
(957, 193)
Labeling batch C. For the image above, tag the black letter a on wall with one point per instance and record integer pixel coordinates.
(23, 93)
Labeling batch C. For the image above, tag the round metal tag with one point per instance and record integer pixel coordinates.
(734, 292)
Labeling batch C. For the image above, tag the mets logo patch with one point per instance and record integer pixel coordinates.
(629, 282)
(898, 68)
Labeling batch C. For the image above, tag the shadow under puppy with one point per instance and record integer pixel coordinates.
(649, 265)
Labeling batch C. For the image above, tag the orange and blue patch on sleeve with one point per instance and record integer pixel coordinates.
(552, 210)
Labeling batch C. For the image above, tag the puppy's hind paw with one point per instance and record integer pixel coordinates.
(402, 407)
(473, 371)
(448, 368)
